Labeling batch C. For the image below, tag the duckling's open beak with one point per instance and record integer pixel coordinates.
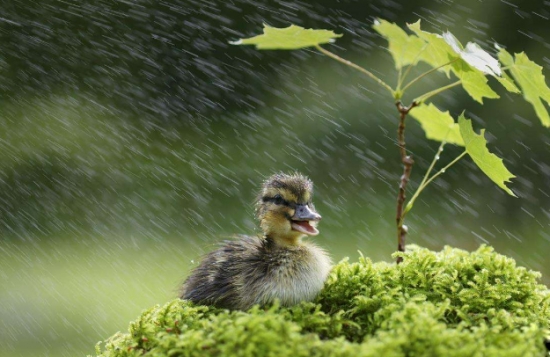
(305, 220)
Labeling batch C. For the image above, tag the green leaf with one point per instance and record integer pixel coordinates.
(489, 163)
(508, 83)
(439, 52)
(530, 79)
(436, 51)
(473, 81)
(289, 38)
(437, 125)
(403, 48)
(504, 57)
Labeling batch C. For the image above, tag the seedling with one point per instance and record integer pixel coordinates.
(443, 53)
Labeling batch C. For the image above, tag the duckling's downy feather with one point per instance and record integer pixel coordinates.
(253, 270)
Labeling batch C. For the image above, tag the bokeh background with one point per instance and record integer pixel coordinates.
(133, 137)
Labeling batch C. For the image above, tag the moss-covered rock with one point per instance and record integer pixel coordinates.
(451, 303)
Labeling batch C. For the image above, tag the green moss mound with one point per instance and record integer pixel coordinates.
(450, 303)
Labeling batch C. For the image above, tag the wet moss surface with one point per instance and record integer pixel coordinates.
(448, 303)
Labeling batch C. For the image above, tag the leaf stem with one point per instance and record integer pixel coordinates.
(436, 157)
(402, 78)
(427, 73)
(445, 168)
(430, 94)
(355, 66)
(409, 67)
(399, 79)
(426, 176)
(427, 181)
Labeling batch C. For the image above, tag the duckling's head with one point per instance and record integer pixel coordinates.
(285, 208)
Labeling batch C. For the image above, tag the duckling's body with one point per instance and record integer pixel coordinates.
(258, 270)
(253, 270)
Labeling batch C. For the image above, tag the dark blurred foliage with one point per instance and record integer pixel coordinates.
(161, 59)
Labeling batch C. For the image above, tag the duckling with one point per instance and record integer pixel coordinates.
(277, 265)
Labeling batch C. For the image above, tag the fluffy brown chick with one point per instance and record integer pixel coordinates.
(277, 265)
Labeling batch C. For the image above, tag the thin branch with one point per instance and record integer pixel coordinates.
(353, 65)
(408, 162)
(427, 73)
(430, 94)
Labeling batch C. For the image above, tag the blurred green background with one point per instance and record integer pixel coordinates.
(133, 138)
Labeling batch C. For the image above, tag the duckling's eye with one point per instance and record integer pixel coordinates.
(278, 200)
